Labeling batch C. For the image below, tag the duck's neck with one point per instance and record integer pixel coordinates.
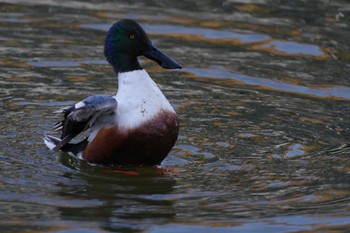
(136, 82)
(124, 63)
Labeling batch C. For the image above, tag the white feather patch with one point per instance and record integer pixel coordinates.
(139, 99)
(79, 105)
(49, 144)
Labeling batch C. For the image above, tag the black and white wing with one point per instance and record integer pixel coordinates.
(92, 111)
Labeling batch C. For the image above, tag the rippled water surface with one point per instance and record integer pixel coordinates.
(263, 101)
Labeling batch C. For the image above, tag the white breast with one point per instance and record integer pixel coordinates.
(139, 99)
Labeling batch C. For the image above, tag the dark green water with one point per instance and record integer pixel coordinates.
(263, 100)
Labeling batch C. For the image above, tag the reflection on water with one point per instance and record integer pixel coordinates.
(339, 92)
(206, 33)
(262, 101)
(294, 48)
(53, 63)
(284, 47)
(293, 150)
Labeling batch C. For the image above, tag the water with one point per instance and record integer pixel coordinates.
(263, 101)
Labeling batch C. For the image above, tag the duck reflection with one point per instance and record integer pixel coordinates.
(117, 198)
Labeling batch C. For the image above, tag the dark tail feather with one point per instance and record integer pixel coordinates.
(54, 143)
(51, 142)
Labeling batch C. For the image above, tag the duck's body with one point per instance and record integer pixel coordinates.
(137, 126)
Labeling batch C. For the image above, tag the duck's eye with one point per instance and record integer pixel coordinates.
(132, 36)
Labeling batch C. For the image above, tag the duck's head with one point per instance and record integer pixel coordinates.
(125, 41)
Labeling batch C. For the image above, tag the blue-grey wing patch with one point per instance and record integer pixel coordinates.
(84, 115)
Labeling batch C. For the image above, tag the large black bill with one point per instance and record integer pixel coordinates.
(163, 60)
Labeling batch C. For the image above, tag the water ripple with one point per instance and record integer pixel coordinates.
(290, 47)
(205, 32)
(267, 43)
(338, 92)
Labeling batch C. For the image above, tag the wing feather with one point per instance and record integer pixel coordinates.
(84, 115)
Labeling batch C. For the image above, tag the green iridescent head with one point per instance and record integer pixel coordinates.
(125, 41)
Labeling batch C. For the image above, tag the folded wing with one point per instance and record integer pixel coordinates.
(93, 112)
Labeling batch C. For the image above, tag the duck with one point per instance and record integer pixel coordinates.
(138, 125)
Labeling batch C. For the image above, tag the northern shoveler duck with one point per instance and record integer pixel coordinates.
(137, 126)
